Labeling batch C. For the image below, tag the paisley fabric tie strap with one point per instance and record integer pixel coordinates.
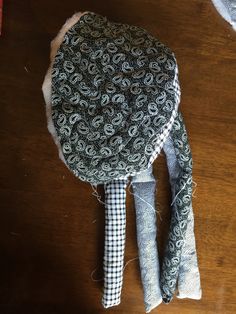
(144, 187)
(183, 262)
(189, 277)
(189, 285)
(182, 200)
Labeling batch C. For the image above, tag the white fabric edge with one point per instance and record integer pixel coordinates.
(190, 296)
(223, 11)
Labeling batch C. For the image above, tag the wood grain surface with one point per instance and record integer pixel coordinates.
(51, 226)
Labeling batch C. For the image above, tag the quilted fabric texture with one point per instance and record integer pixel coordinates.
(113, 95)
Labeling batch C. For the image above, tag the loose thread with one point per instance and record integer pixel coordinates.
(195, 188)
(178, 193)
(129, 261)
(92, 273)
(134, 194)
(95, 193)
(158, 204)
(177, 214)
(126, 264)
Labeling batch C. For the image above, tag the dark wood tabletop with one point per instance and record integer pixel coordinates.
(51, 226)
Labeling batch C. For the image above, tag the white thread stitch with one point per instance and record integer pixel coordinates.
(178, 194)
(134, 194)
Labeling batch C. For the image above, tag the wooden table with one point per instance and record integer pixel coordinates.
(51, 226)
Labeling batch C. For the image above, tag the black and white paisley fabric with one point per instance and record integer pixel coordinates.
(113, 94)
(182, 202)
(182, 205)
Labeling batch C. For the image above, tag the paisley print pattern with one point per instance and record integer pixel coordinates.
(144, 187)
(180, 211)
(113, 91)
(115, 95)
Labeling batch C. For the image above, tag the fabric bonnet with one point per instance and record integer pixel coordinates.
(112, 95)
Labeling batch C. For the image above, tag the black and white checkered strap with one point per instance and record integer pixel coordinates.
(115, 224)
